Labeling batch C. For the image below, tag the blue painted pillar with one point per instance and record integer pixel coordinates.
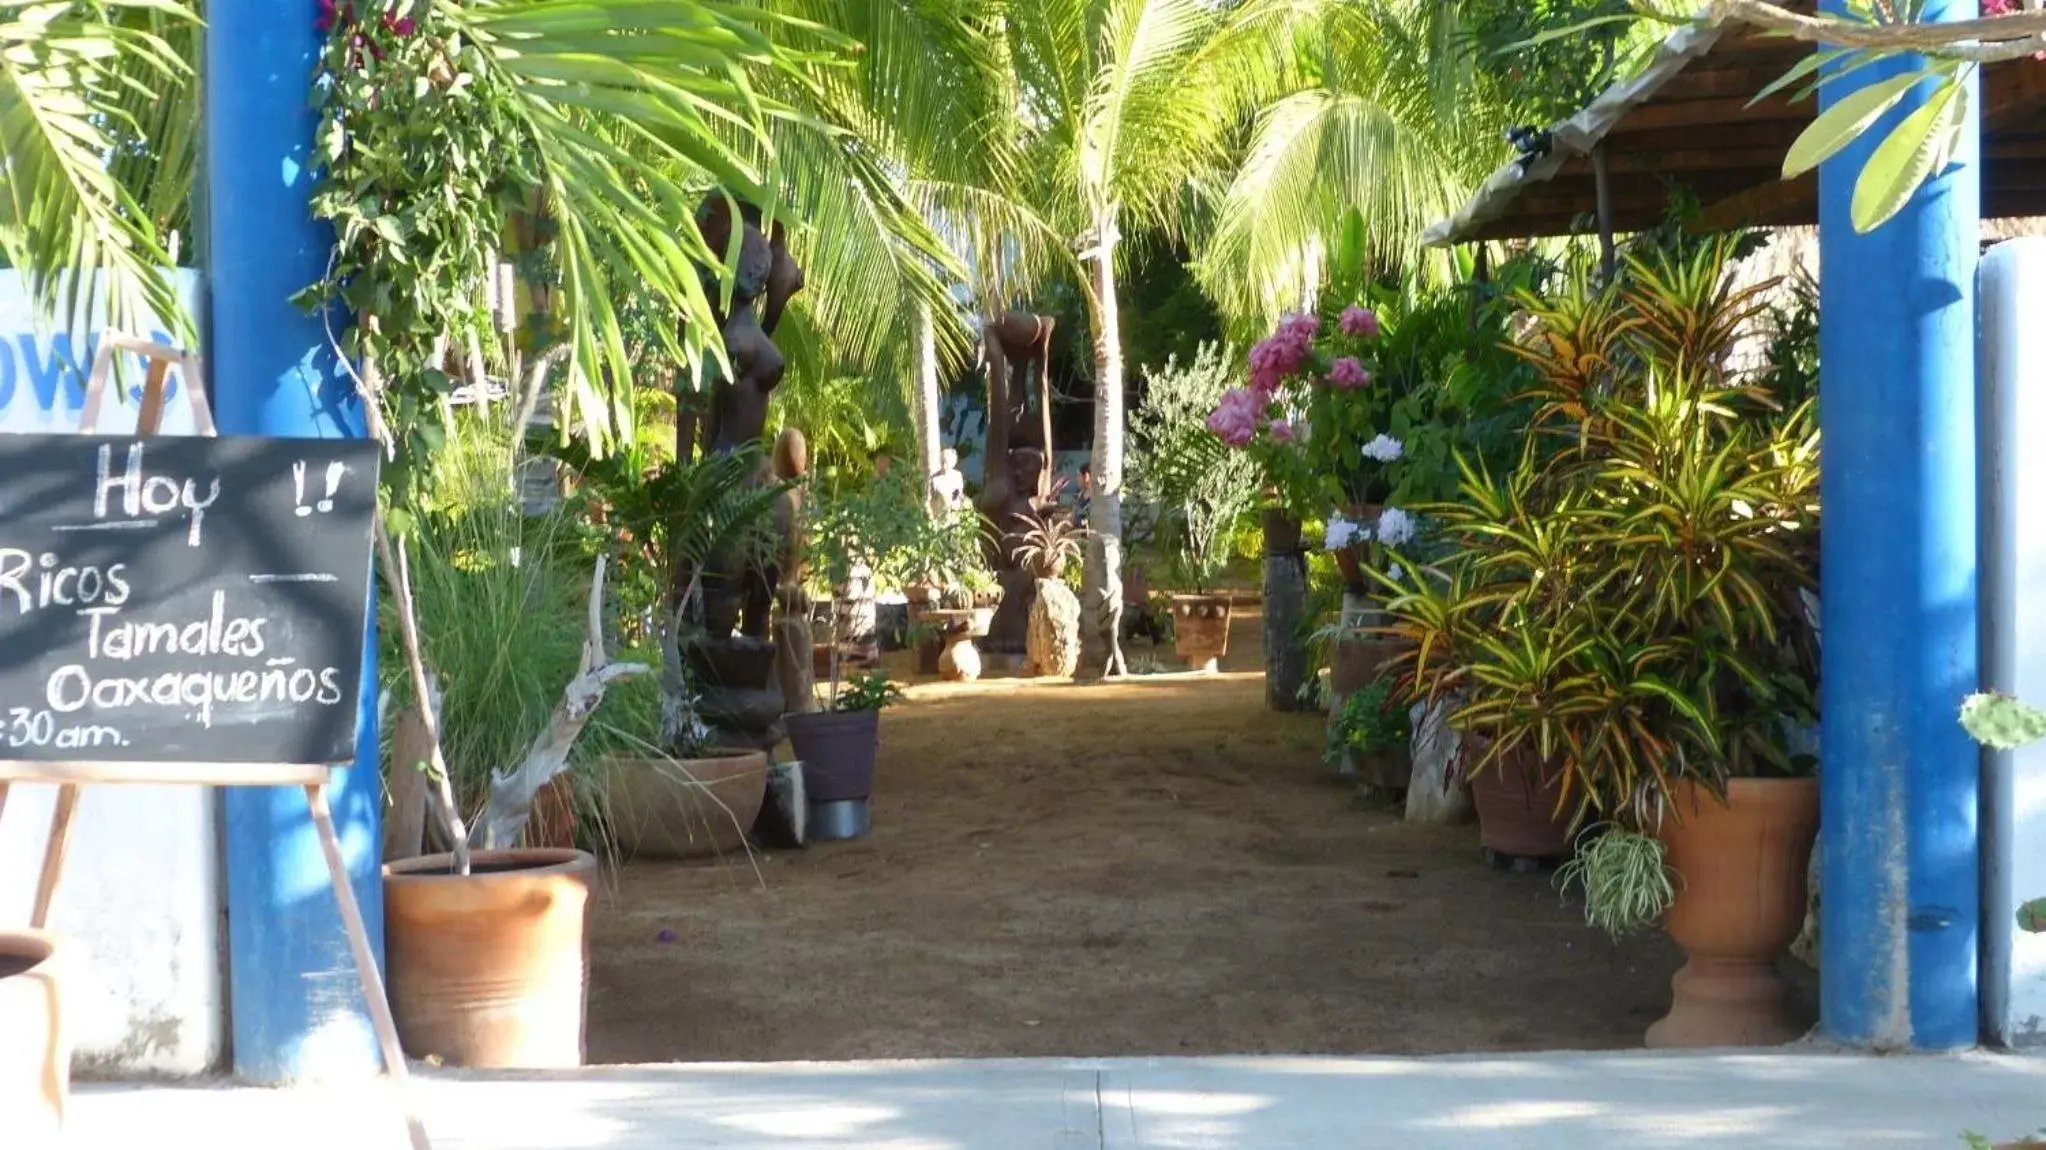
(297, 1011)
(1901, 885)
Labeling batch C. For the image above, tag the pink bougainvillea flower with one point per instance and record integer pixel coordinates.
(399, 25)
(1347, 372)
(1360, 321)
(1299, 330)
(1235, 417)
(1281, 431)
(328, 16)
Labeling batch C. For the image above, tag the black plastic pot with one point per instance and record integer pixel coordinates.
(837, 749)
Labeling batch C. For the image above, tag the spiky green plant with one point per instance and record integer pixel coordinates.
(1626, 609)
(1626, 882)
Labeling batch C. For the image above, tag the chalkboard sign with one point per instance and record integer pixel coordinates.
(182, 600)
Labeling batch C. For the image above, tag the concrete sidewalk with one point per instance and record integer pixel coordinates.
(1634, 1101)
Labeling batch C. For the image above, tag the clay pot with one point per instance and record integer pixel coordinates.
(685, 808)
(1354, 663)
(1282, 532)
(491, 969)
(1516, 803)
(1200, 629)
(35, 1057)
(1740, 902)
(837, 749)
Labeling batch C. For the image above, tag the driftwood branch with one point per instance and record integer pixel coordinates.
(512, 792)
(1985, 40)
(398, 572)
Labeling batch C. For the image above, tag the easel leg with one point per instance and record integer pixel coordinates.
(3, 800)
(365, 964)
(53, 854)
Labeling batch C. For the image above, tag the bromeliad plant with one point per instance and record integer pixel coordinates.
(1627, 611)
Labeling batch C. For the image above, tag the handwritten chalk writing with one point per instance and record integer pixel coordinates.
(73, 688)
(27, 728)
(162, 601)
(240, 638)
(151, 494)
(32, 581)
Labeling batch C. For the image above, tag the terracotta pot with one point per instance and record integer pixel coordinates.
(1516, 804)
(1282, 532)
(686, 808)
(1354, 663)
(837, 749)
(35, 1056)
(491, 969)
(1740, 902)
(1200, 629)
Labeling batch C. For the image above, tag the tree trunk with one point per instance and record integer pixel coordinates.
(1285, 610)
(1101, 641)
(928, 435)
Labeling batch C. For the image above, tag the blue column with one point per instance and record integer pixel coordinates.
(1901, 887)
(297, 1011)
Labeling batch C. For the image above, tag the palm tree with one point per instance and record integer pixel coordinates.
(1123, 106)
(1383, 106)
(90, 95)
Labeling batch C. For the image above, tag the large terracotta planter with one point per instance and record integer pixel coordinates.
(684, 808)
(1200, 629)
(35, 1056)
(1740, 901)
(1516, 803)
(491, 969)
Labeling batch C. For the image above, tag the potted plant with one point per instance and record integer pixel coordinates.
(486, 944)
(1200, 487)
(861, 526)
(1369, 735)
(671, 789)
(1623, 617)
(35, 1057)
(837, 745)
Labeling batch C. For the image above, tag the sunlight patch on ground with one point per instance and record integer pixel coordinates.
(1512, 1115)
(820, 1120)
(1719, 1122)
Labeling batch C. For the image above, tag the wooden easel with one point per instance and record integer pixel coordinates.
(70, 776)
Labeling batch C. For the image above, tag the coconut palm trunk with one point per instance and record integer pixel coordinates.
(1101, 639)
(928, 436)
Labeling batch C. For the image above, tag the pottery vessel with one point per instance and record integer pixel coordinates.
(1740, 902)
(1516, 803)
(35, 1055)
(1200, 629)
(684, 808)
(491, 969)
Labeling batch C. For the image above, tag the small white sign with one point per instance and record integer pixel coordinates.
(43, 367)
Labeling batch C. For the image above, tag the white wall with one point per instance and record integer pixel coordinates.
(141, 892)
(2013, 589)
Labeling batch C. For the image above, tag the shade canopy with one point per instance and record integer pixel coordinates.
(1688, 123)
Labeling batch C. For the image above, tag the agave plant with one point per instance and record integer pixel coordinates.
(1624, 607)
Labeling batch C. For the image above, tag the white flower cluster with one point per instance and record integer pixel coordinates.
(1394, 528)
(1384, 448)
(1342, 532)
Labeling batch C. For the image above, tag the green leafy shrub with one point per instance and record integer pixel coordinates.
(1373, 719)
